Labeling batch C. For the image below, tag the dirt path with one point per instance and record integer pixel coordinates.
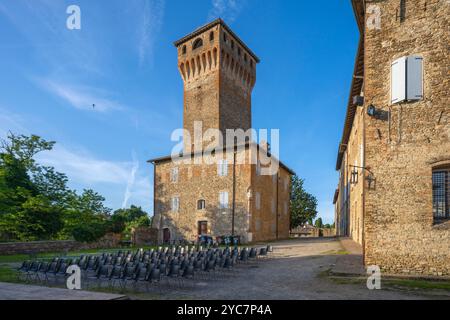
(297, 271)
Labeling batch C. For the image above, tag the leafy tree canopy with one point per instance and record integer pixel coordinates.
(303, 204)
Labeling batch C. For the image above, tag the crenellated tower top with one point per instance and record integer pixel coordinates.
(219, 73)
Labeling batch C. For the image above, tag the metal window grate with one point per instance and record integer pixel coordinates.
(441, 194)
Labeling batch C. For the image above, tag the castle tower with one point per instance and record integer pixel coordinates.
(219, 73)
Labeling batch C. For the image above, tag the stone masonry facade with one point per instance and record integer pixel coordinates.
(228, 196)
(390, 208)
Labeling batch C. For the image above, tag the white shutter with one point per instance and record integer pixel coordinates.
(174, 175)
(414, 78)
(222, 168)
(398, 80)
(223, 200)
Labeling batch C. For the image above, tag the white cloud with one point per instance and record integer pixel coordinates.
(131, 180)
(81, 97)
(84, 169)
(10, 122)
(150, 24)
(229, 10)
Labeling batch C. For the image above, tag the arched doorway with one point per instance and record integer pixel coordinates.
(166, 235)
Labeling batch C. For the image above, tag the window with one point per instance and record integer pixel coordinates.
(407, 79)
(232, 44)
(239, 51)
(211, 36)
(202, 228)
(258, 200)
(402, 10)
(174, 175)
(258, 168)
(183, 50)
(201, 204)
(225, 37)
(197, 44)
(223, 200)
(175, 204)
(222, 168)
(441, 194)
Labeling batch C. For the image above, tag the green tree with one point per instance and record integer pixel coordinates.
(25, 212)
(35, 202)
(132, 213)
(303, 204)
(318, 223)
(85, 211)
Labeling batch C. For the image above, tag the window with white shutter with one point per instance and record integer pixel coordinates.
(222, 168)
(398, 80)
(407, 79)
(175, 204)
(223, 200)
(414, 78)
(174, 175)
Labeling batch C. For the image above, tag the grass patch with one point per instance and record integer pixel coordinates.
(335, 252)
(8, 274)
(49, 255)
(417, 284)
(389, 283)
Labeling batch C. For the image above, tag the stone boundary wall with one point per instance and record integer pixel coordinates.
(144, 236)
(9, 248)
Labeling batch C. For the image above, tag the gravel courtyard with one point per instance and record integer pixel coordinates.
(297, 271)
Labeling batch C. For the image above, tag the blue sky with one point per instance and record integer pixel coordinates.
(123, 61)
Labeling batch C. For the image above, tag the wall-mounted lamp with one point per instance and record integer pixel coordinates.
(354, 176)
(379, 114)
(358, 101)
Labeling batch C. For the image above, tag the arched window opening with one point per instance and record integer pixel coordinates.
(239, 51)
(183, 50)
(232, 44)
(201, 204)
(211, 36)
(215, 56)
(225, 38)
(197, 44)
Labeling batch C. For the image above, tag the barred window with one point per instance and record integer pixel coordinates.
(441, 194)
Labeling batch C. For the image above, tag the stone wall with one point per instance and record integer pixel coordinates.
(400, 233)
(144, 236)
(9, 248)
(218, 80)
(202, 182)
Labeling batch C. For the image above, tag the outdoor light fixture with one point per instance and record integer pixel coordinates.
(354, 176)
(358, 101)
(372, 111)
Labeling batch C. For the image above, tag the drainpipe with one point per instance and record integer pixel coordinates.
(276, 210)
(234, 193)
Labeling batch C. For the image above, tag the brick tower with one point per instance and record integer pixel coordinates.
(218, 72)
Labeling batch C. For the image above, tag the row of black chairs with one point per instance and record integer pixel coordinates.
(172, 264)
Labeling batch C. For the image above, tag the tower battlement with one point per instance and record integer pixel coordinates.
(219, 72)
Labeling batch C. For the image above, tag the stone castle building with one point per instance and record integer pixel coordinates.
(229, 196)
(393, 195)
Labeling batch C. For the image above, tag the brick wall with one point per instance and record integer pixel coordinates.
(8, 248)
(400, 234)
